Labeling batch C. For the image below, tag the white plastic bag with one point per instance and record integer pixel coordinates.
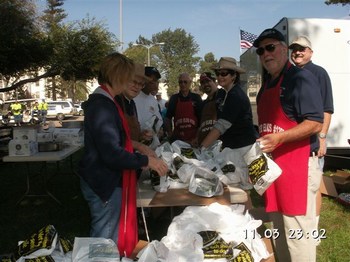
(91, 249)
(154, 252)
(263, 171)
(205, 183)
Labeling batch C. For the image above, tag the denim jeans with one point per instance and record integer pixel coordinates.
(104, 215)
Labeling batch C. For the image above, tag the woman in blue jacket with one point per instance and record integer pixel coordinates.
(107, 169)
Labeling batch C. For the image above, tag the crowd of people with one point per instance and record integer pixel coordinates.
(32, 113)
(126, 119)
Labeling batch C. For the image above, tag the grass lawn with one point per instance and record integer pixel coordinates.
(18, 222)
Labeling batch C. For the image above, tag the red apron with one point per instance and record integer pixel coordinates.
(185, 121)
(128, 234)
(288, 194)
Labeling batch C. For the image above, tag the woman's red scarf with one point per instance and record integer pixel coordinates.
(128, 234)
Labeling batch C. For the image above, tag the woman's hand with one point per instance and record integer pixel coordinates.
(158, 165)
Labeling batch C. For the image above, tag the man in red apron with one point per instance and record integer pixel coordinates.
(184, 111)
(289, 111)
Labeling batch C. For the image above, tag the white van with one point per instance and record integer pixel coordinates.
(60, 109)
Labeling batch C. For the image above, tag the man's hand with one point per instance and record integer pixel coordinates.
(269, 142)
(323, 147)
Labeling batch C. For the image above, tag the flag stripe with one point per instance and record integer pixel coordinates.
(247, 39)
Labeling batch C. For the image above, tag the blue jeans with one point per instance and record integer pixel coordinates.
(43, 116)
(104, 215)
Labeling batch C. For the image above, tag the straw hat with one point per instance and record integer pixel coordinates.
(229, 63)
(140, 71)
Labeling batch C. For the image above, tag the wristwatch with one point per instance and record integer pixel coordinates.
(322, 135)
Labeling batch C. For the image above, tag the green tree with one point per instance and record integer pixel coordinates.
(207, 63)
(177, 56)
(53, 25)
(139, 53)
(335, 2)
(72, 51)
(86, 43)
(24, 49)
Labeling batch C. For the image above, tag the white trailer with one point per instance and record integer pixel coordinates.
(330, 40)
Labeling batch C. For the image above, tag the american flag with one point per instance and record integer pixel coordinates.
(247, 39)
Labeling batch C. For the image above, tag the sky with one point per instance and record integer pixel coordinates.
(214, 24)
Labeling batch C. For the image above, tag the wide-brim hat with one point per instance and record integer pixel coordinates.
(269, 33)
(228, 63)
(302, 41)
(140, 71)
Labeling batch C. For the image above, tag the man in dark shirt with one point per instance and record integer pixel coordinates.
(301, 56)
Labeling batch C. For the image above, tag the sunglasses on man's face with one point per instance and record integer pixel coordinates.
(183, 82)
(298, 48)
(269, 48)
(222, 73)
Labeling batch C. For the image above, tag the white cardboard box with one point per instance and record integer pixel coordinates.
(72, 136)
(45, 137)
(25, 133)
(19, 147)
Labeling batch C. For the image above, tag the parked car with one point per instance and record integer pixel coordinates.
(80, 111)
(60, 109)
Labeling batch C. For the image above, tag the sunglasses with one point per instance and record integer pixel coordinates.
(298, 48)
(222, 73)
(269, 48)
(183, 82)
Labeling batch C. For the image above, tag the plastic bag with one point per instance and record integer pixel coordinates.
(40, 244)
(154, 252)
(95, 249)
(263, 171)
(184, 149)
(205, 183)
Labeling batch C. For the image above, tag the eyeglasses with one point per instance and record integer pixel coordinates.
(183, 82)
(136, 83)
(269, 48)
(298, 48)
(221, 73)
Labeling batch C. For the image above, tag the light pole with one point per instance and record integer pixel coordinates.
(148, 50)
(121, 25)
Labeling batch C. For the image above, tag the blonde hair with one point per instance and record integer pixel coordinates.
(116, 70)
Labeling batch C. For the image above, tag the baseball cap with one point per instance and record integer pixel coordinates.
(151, 70)
(302, 41)
(269, 33)
(206, 76)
